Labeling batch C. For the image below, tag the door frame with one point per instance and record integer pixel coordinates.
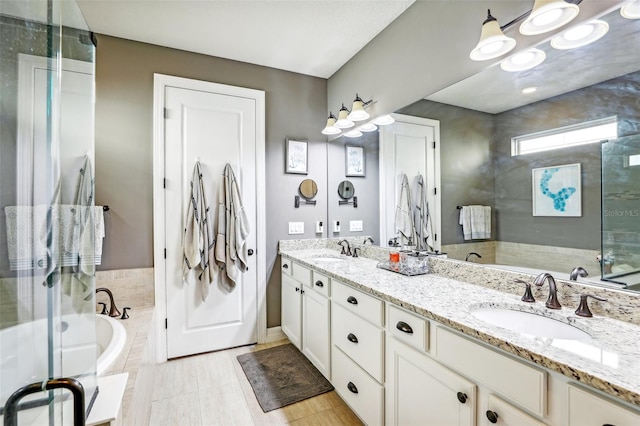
(160, 82)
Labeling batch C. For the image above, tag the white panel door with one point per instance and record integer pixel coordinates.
(214, 128)
(408, 147)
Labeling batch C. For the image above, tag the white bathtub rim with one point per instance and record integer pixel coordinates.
(113, 350)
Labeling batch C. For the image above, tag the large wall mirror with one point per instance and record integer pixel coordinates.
(478, 118)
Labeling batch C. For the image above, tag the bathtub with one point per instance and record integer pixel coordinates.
(87, 345)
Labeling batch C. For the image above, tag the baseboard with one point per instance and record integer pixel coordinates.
(274, 334)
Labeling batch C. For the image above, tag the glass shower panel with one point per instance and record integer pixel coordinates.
(620, 208)
(47, 226)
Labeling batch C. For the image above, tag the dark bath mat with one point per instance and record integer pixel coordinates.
(281, 376)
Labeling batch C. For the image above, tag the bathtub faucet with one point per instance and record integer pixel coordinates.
(113, 310)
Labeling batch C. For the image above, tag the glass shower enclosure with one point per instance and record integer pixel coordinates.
(48, 221)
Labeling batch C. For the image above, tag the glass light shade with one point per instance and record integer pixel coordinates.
(355, 133)
(384, 120)
(343, 120)
(523, 61)
(529, 90)
(493, 42)
(631, 10)
(357, 110)
(581, 35)
(330, 128)
(368, 127)
(547, 15)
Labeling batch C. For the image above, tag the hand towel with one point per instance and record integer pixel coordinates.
(404, 214)
(476, 222)
(422, 220)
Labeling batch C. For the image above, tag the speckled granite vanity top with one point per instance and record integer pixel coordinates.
(610, 361)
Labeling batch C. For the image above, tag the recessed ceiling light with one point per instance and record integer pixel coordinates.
(529, 90)
(580, 36)
(523, 61)
(631, 10)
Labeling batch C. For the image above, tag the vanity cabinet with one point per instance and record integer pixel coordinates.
(588, 409)
(305, 313)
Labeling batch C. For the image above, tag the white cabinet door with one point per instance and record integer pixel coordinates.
(587, 409)
(499, 412)
(420, 391)
(292, 310)
(315, 330)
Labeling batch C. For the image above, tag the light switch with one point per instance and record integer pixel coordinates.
(296, 228)
(355, 225)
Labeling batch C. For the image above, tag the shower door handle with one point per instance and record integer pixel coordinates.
(73, 385)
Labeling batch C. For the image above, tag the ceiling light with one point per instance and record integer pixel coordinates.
(383, 120)
(547, 15)
(523, 61)
(331, 129)
(529, 90)
(631, 10)
(343, 120)
(355, 133)
(368, 127)
(580, 36)
(357, 110)
(493, 42)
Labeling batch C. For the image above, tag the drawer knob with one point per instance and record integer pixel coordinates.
(352, 338)
(285, 266)
(492, 416)
(462, 397)
(352, 387)
(352, 300)
(319, 283)
(404, 327)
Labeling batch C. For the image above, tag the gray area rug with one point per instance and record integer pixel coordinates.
(281, 376)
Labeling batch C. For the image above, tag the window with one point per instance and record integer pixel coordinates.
(564, 137)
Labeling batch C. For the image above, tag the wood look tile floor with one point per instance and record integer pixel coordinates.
(212, 389)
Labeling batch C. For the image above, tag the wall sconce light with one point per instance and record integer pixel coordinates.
(343, 119)
(493, 42)
(384, 120)
(581, 35)
(631, 10)
(330, 128)
(368, 127)
(346, 118)
(355, 133)
(548, 15)
(523, 61)
(357, 110)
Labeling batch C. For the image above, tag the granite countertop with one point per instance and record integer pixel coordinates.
(608, 362)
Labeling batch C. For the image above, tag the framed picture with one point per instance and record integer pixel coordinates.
(354, 161)
(297, 157)
(557, 191)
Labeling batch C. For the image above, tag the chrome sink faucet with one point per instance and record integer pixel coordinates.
(348, 250)
(577, 271)
(552, 300)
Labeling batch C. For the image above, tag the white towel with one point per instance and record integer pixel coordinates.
(26, 236)
(476, 222)
(233, 231)
(404, 214)
(198, 242)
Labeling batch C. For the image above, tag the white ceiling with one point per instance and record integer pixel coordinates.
(313, 37)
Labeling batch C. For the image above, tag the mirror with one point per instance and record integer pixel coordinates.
(346, 190)
(593, 82)
(308, 189)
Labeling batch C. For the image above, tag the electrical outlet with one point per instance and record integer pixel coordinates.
(296, 228)
(336, 226)
(355, 225)
(319, 227)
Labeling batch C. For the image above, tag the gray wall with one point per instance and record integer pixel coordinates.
(477, 166)
(366, 188)
(295, 107)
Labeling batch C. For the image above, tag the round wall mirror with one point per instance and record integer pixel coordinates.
(346, 190)
(308, 189)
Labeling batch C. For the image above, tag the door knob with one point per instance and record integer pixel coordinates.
(250, 252)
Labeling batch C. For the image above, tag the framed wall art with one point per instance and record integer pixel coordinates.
(354, 157)
(296, 157)
(557, 191)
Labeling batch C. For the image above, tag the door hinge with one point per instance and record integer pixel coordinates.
(165, 253)
(435, 237)
(166, 113)
(434, 144)
(164, 183)
(166, 323)
(435, 191)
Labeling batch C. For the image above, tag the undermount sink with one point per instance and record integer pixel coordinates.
(327, 259)
(530, 324)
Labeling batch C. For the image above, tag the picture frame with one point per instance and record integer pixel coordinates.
(296, 156)
(354, 161)
(557, 191)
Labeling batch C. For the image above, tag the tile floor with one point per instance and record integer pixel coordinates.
(211, 389)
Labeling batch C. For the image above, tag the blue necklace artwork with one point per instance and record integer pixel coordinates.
(559, 198)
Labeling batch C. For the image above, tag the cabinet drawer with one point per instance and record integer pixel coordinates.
(286, 266)
(368, 307)
(408, 327)
(363, 394)
(521, 383)
(320, 283)
(505, 414)
(301, 274)
(361, 340)
(586, 408)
